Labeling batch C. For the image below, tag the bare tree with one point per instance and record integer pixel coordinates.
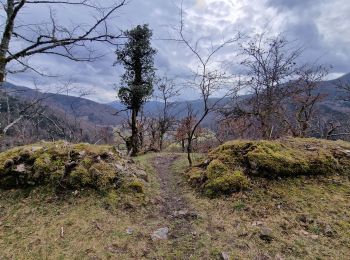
(208, 79)
(153, 129)
(344, 87)
(14, 114)
(270, 64)
(29, 117)
(305, 97)
(52, 37)
(184, 132)
(167, 91)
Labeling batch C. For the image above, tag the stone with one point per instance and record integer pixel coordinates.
(328, 231)
(279, 257)
(266, 234)
(36, 148)
(142, 175)
(311, 148)
(304, 232)
(346, 152)
(82, 154)
(314, 237)
(28, 211)
(302, 218)
(129, 231)
(257, 223)
(180, 213)
(224, 256)
(21, 168)
(120, 168)
(160, 234)
(184, 213)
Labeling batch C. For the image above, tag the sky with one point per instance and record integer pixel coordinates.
(321, 27)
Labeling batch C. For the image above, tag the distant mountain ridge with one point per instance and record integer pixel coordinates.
(104, 114)
(81, 108)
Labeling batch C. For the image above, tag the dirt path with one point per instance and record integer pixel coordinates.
(174, 208)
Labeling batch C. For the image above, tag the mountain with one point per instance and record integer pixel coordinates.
(103, 114)
(179, 108)
(80, 108)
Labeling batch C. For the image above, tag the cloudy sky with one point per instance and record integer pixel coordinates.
(321, 27)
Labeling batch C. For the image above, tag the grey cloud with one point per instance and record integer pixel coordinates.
(313, 23)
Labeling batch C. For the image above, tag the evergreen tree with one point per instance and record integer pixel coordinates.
(137, 58)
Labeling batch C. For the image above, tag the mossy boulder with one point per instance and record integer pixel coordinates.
(226, 183)
(66, 166)
(231, 165)
(195, 176)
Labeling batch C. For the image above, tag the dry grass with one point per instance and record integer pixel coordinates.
(309, 219)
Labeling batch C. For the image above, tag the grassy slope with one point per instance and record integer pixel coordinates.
(94, 225)
(298, 212)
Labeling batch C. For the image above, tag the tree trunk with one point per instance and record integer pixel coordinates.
(6, 38)
(183, 145)
(161, 137)
(2, 72)
(134, 134)
(189, 151)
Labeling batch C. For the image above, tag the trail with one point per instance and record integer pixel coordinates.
(174, 208)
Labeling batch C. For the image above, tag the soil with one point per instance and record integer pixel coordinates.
(173, 206)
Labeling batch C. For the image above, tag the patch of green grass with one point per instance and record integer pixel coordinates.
(239, 205)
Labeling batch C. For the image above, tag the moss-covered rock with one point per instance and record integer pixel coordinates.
(232, 163)
(195, 176)
(136, 186)
(67, 166)
(226, 183)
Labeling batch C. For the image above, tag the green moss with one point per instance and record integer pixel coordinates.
(135, 186)
(289, 157)
(62, 165)
(286, 157)
(273, 159)
(216, 168)
(227, 183)
(81, 176)
(56, 177)
(87, 162)
(104, 175)
(42, 164)
(195, 176)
